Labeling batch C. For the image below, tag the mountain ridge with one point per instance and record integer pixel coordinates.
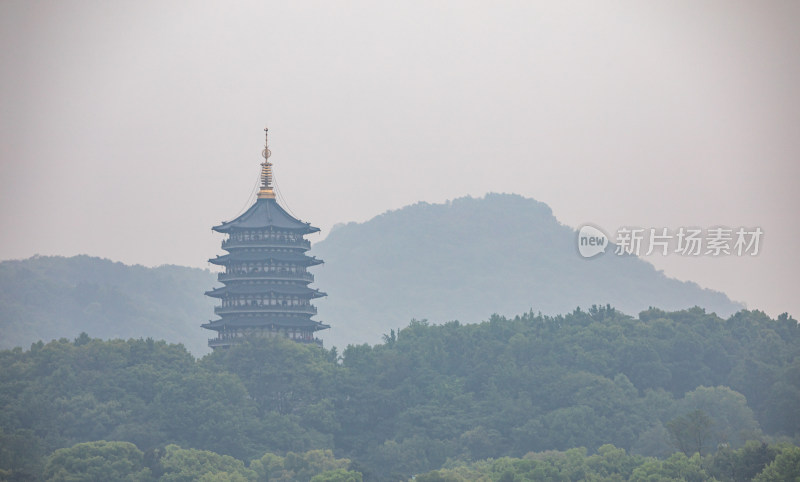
(50, 297)
(469, 258)
(465, 260)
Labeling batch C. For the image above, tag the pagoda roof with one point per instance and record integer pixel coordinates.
(266, 213)
(252, 321)
(257, 288)
(291, 257)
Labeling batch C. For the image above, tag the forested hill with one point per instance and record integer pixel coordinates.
(464, 260)
(470, 258)
(534, 388)
(45, 298)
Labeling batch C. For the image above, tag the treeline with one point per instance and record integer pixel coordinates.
(755, 461)
(431, 397)
(119, 461)
(102, 461)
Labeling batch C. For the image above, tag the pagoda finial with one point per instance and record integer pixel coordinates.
(266, 191)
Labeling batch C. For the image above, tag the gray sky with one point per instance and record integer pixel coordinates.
(130, 128)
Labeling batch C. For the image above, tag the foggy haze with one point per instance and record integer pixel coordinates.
(129, 129)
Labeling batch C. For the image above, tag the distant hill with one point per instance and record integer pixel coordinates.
(464, 260)
(45, 298)
(469, 258)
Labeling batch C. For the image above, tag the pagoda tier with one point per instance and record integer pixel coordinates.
(271, 323)
(265, 290)
(264, 257)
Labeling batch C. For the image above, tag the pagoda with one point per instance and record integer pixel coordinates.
(265, 280)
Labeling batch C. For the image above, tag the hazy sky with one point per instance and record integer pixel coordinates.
(130, 128)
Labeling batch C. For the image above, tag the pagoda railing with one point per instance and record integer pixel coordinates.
(282, 275)
(265, 243)
(215, 342)
(232, 340)
(307, 309)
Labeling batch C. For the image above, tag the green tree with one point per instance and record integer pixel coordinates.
(743, 464)
(338, 475)
(732, 420)
(785, 467)
(281, 375)
(268, 467)
(97, 461)
(690, 432)
(677, 468)
(188, 465)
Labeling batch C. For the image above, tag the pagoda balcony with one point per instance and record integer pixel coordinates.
(265, 243)
(305, 309)
(266, 275)
(232, 340)
(218, 342)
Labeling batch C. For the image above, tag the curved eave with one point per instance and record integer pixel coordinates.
(266, 213)
(298, 258)
(221, 324)
(263, 289)
(306, 229)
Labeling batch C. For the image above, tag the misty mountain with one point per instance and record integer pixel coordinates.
(464, 260)
(45, 298)
(470, 258)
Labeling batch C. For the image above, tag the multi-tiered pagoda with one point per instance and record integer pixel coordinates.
(266, 290)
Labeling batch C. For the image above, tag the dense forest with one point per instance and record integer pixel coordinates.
(595, 394)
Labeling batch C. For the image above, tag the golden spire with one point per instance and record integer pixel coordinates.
(266, 191)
